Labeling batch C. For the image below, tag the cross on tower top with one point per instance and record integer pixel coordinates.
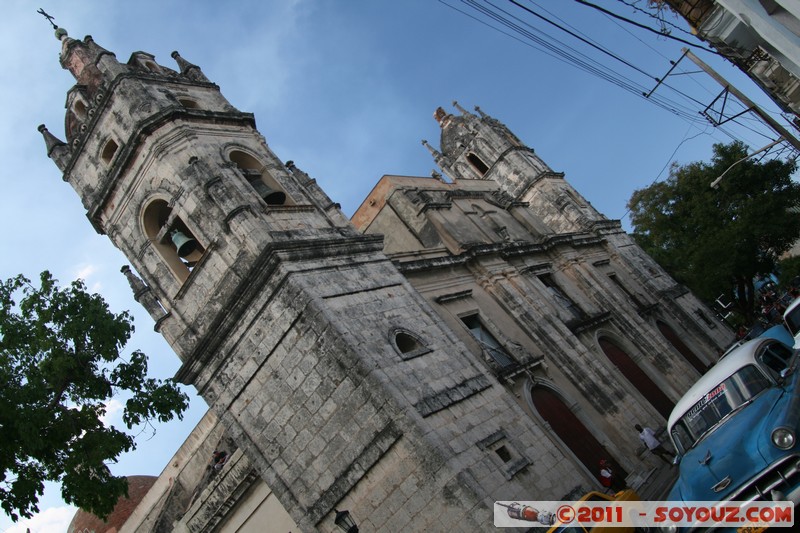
(48, 17)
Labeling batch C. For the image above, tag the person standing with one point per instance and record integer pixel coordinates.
(608, 478)
(648, 437)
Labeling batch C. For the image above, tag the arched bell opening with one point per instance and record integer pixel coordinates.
(265, 185)
(80, 109)
(188, 103)
(109, 150)
(172, 238)
(477, 163)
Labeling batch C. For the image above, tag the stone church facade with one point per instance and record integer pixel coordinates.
(482, 336)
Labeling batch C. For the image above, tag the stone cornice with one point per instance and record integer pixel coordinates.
(505, 249)
(453, 296)
(674, 292)
(579, 326)
(437, 401)
(607, 226)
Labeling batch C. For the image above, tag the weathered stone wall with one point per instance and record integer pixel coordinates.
(311, 386)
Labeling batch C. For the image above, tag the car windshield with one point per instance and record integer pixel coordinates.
(792, 320)
(718, 403)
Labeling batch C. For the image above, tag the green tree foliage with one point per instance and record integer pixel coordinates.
(716, 241)
(788, 270)
(60, 363)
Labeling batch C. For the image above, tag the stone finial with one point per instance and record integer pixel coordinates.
(136, 283)
(190, 70)
(57, 150)
(438, 157)
(437, 176)
(50, 140)
(440, 115)
(143, 294)
(480, 112)
(430, 148)
(460, 109)
(298, 173)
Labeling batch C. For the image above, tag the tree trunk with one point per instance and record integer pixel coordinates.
(744, 296)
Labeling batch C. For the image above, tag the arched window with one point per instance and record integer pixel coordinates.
(108, 151)
(172, 238)
(407, 344)
(266, 187)
(497, 354)
(188, 103)
(80, 109)
(477, 163)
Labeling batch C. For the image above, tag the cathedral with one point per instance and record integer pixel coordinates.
(482, 334)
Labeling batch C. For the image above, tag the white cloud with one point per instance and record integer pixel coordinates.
(113, 408)
(85, 271)
(48, 521)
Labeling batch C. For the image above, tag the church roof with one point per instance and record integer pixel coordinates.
(86, 521)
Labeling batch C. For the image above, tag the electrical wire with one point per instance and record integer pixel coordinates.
(648, 28)
(566, 53)
(522, 31)
(659, 19)
(669, 161)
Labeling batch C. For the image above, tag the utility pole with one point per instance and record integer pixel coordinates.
(780, 130)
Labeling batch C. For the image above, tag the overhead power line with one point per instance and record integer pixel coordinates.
(646, 27)
(649, 13)
(493, 15)
(520, 27)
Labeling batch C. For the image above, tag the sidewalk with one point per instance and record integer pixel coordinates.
(658, 483)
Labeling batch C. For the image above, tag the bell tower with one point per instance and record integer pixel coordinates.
(480, 147)
(337, 380)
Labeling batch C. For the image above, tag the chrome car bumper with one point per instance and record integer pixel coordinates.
(781, 479)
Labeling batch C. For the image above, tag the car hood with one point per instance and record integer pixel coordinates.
(731, 454)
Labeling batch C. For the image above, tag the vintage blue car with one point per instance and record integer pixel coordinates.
(736, 430)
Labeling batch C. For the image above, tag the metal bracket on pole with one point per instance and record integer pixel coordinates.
(661, 80)
(771, 122)
(722, 119)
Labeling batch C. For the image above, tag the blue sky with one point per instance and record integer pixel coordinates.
(347, 90)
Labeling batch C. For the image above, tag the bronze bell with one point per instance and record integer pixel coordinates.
(183, 244)
(271, 196)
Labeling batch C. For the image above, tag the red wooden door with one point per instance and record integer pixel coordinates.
(573, 432)
(637, 377)
(676, 341)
